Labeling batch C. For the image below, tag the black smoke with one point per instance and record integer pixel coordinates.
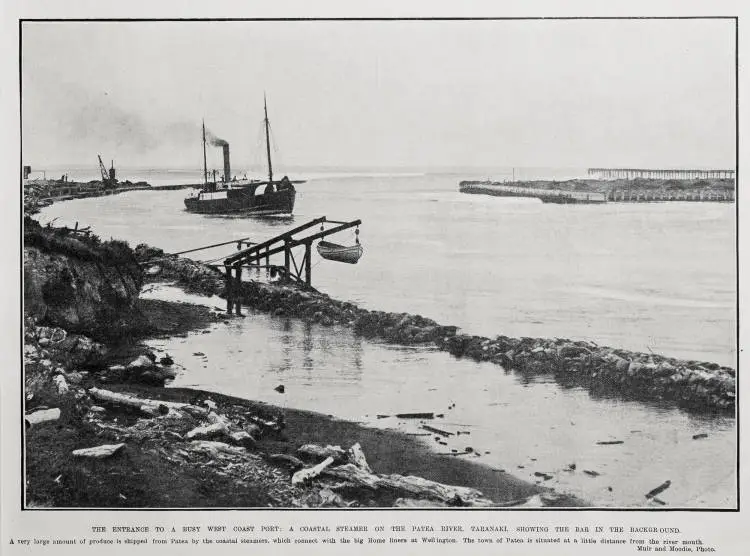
(215, 141)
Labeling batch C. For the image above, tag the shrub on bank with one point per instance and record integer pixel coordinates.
(82, 247)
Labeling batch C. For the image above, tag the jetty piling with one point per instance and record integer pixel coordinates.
(660, 174)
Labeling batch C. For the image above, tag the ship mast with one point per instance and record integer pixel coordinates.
(205, 171)
(268, 142)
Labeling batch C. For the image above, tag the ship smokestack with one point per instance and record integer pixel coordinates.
(227, 170)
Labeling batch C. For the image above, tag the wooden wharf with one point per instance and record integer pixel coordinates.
(256, 254)
(660, 174)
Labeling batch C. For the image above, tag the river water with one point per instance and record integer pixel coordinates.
(656, 277)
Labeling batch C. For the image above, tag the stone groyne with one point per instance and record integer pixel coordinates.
(588, 191)
(556, 196)
(42, 193)
(694, 385)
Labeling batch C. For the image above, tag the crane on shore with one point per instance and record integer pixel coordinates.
(109, 179)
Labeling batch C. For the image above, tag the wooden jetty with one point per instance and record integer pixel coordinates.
(627, 195)
(258, 256)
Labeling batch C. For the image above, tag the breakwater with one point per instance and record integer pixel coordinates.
(695, 385)
(42, 193)
(623, 190)
(556, 196)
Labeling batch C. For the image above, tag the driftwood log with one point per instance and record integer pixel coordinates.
(352, 467)
(311, 472)
(441, 432)
(216, 449)
(287, 461)
(410, 487)
(357, 457)
(658, 490)
(98, 452)
(154, 408)
(206, 432)
(319, 453)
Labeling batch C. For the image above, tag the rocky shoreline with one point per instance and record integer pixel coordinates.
(102, 431)
(693, 385)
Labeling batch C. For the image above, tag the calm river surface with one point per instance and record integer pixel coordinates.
(656, 277)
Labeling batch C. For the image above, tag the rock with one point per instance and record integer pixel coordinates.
(42, 416)
(99, 452)
(74, 377)
(634, 368)
(61, 384)
(141, 362)
(331, 499)
(77, 352)
(207, 432)
(242, 438)
(280, 389)
(166, 361)
(570, 351)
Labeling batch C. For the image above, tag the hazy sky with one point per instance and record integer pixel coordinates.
(422, 93)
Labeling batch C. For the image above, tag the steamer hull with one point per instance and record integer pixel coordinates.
(243, 201)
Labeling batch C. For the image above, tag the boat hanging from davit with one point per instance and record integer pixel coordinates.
(243, 197)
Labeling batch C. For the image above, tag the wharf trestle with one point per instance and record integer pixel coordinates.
(258, 256)
(660, 174)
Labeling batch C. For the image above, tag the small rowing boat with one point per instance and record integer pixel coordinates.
(340, 253)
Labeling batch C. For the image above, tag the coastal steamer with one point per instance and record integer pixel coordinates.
(251, 197)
